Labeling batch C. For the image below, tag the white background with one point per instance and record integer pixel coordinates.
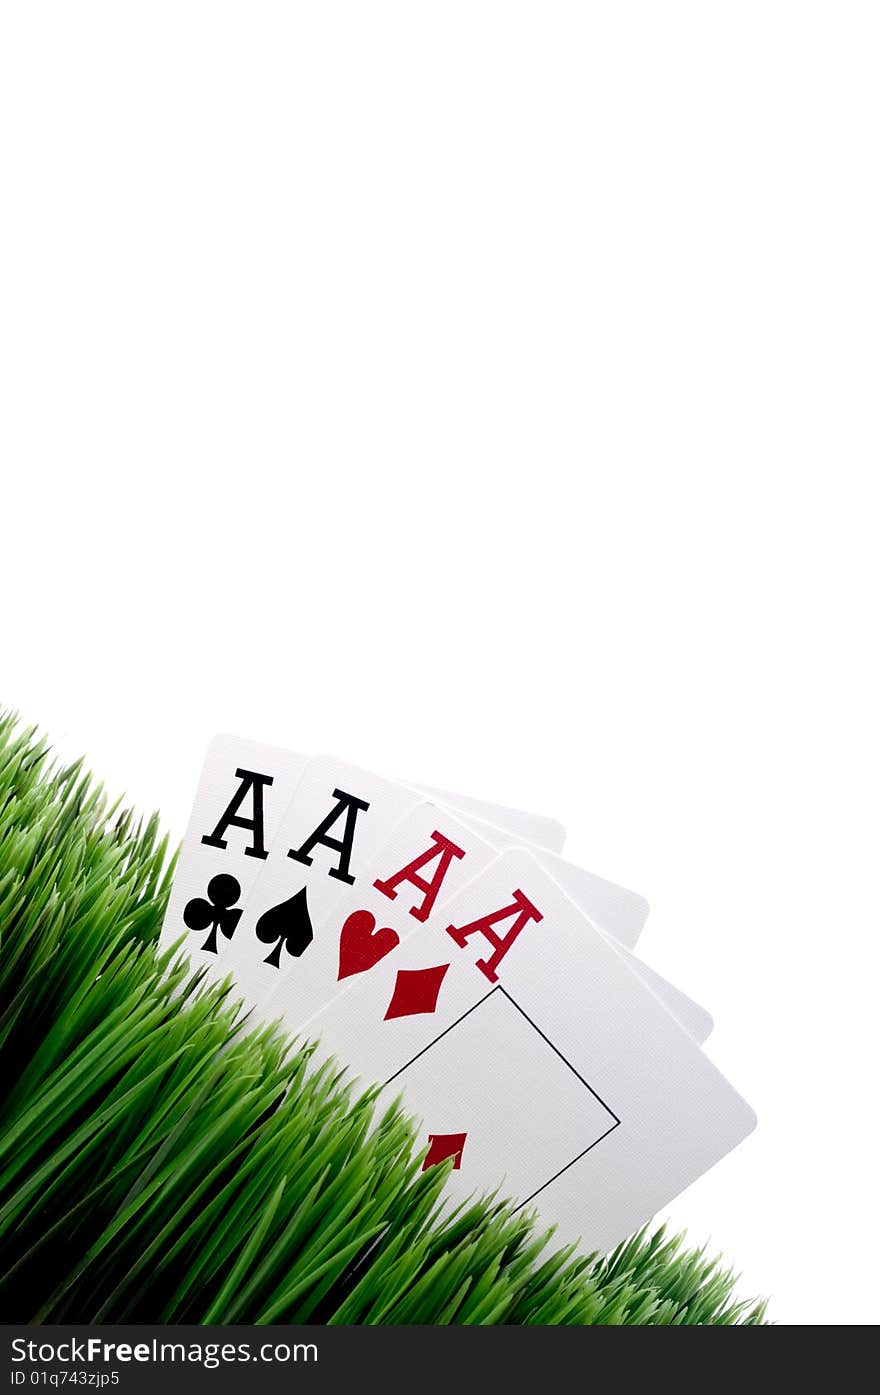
(487, 393)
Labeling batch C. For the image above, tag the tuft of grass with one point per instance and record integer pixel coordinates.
(160, 1164)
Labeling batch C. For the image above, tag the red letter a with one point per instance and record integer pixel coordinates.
(524, 911)
(445, 851)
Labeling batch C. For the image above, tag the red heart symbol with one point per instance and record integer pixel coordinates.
(361, 945)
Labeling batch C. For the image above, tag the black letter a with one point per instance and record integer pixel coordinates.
(253, 783)
(349, 806)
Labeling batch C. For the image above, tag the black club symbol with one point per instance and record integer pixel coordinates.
(218, 911)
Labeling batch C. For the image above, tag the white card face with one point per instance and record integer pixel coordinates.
(528, 1095)
(243, 792)
(610, 907)
(537, 829)
(514, 933)
(430, 855)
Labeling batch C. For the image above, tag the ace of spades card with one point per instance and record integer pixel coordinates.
(536, 1059)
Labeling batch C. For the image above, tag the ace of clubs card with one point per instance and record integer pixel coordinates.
(243, 791)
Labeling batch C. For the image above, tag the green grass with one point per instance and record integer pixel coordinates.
(158, 1164)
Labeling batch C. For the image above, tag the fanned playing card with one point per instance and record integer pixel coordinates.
(537, 1059)
(243, 792)
(237, 834)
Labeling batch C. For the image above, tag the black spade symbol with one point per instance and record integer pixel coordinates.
(287, 925)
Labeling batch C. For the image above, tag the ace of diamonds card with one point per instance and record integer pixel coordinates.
(536, 1059)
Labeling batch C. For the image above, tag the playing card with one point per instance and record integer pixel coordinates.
(513, 1028)
(527, 1107)
(429, 853)
(243, 791)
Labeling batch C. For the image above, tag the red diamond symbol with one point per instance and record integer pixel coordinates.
(415, 991)
(442, 1146)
